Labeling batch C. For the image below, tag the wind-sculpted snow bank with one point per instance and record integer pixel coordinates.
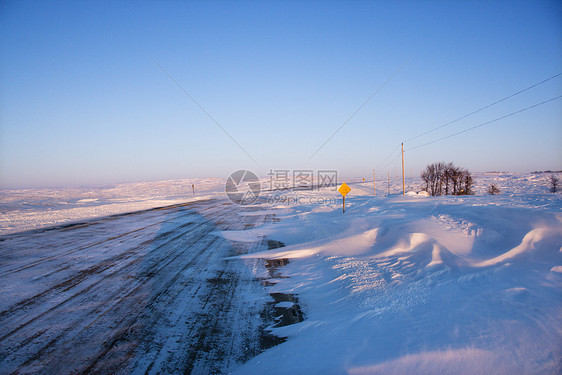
(461, 361)
(451, 285)
(535, 245)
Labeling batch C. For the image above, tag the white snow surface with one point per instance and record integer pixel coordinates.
(28, 209)
(421, 285)
(396, 285)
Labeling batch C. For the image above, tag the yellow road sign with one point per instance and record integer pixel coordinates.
(344, 189)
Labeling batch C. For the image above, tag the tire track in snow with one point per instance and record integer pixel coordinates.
(83, 275)
(85, 225)
(96, 330)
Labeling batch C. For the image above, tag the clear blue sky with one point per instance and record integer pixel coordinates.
(82, 102)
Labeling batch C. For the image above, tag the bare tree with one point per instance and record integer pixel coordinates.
(554, 182)
(449, 178)
(446, 178)
(493, 189)
(466, 183)
(432, 176)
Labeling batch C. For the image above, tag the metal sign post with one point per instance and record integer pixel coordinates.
(344, 189)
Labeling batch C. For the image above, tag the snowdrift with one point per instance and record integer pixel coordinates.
(403, 285)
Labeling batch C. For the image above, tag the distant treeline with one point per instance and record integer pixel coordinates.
(537, 172)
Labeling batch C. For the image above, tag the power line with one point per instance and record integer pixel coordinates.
(483, 108)
(386, 165)
(485, 123)
(360, 108)
(388, 157)
(201, 108)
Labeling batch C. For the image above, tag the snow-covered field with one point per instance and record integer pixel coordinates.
(28, 209)
(422, 285)
(396, 285)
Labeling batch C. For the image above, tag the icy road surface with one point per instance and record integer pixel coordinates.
(147, 292)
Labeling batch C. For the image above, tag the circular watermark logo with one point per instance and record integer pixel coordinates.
(243, 187)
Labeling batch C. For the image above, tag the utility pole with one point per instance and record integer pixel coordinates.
(403, 176)
(388, 183)
(374, 183)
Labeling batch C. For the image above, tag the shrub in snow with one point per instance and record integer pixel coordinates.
(493, 189)
(554, 182)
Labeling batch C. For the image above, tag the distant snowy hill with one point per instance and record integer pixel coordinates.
(28, 209)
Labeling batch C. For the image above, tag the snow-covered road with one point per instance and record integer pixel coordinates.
(147, 292)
